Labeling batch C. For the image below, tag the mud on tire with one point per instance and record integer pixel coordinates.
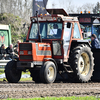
(82, 62)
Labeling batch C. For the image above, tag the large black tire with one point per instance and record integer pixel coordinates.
(35, 74)
(82, 62)
(48, 72)
(13, 75)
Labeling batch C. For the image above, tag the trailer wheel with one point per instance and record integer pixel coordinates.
(48, 72)
(35, 74)
(82, 63)
(13, 75)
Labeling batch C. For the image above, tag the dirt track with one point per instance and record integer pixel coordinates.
(30, 89)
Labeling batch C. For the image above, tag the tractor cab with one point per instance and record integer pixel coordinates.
(55, 29)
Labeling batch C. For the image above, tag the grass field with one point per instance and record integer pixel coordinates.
(22, 79)
(1, 71)
(61, 98)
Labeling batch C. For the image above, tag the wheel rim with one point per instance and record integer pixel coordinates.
(50, 72)
(84, 64)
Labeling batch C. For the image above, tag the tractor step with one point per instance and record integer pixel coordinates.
(67, 68)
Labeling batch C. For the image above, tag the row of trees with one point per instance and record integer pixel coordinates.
(93, 8)
(23, 8)
(96, 9)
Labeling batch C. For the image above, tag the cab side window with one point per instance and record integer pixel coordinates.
(67, 33)
(76, 32)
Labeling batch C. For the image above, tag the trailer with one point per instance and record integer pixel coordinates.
(5, 38)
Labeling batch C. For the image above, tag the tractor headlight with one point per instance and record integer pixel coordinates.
(29, 52)
(21, 52)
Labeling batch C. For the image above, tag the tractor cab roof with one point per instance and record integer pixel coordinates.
(57, 11)
(54, 15)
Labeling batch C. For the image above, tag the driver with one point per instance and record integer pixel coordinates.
(58, 31)
(55, 26)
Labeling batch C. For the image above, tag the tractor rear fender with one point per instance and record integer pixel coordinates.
(51, 59)
(82, 42)
(77, 42)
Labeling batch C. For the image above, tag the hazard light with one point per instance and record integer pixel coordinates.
(81, 12)
(41, 14)
(88, 12)
(45, 14)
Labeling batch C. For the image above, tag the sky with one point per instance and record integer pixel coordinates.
(81, 2)
(65, 3)
(60, 3)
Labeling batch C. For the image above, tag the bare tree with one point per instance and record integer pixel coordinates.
(85, 8)
(69, 7)
(88, 7)
(22, 8)
(79, 9)
(96, 8)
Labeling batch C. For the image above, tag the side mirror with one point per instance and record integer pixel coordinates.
(68, 25)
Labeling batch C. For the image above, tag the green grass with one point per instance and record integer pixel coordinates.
(26, 79)
(27, 72)
(22, 79)
(1, 71)
(61, 98)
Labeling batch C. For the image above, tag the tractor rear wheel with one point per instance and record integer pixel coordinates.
(82, 62)
(48, 72)
(13, 75)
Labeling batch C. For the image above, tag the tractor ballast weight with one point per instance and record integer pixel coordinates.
(62, 49)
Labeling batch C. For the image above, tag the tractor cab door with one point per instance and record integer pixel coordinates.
(66, 38)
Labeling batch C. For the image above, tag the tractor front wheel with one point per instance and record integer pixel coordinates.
(13, 75)
(48, 72)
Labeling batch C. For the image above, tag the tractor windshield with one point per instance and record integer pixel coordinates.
(47, 30)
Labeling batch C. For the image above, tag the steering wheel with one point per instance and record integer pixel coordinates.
(43, 37)
(51, 36)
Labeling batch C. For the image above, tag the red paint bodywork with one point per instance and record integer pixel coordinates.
(36, 57)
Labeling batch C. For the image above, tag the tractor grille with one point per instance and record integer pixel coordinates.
(56, 48)
(25, 57)
(25, 46)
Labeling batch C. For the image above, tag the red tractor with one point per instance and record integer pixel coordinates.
(54, 44)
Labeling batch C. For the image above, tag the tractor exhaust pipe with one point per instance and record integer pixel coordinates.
(39, 35)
